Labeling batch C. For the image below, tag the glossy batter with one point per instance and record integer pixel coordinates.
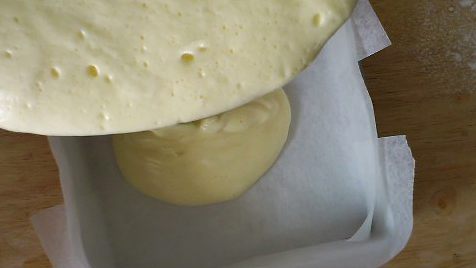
(210, 160)
(74, 67)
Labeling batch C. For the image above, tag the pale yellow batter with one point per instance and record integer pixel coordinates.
(75, 67)
(210, 160)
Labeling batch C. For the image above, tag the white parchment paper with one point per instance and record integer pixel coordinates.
(337, 197)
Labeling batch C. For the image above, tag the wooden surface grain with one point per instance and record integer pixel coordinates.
(423, 86)
(28, 184)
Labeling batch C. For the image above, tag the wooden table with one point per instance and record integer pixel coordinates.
(423, 86)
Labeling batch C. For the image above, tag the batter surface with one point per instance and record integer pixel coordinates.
(210, 160)
(73, 67)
